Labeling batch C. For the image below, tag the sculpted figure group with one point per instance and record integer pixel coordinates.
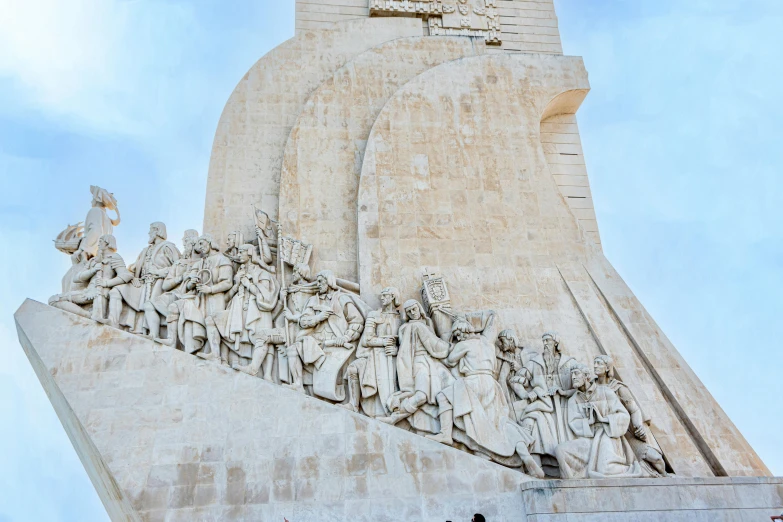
(452, 377)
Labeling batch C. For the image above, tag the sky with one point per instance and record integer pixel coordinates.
(681, 133)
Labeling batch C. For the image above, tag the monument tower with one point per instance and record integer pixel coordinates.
(398, 219)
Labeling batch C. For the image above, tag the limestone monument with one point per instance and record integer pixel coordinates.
(398, 219)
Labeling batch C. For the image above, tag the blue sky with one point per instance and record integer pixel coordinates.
(681, 132)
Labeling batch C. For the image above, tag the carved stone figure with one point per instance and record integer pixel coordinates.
(638, 437)
(558, 378)
(535, 410)
(93, 283)
(372, 377)
(212, 276)
(247, 323)
(173, 286)
(420, 373)
(294, 299)
(475, 403)
(598, 421)
(332, 323)
(98, 223)
(149, 270)
(508, 360)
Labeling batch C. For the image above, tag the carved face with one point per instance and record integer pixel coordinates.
(153, 233)
(386, 298)
(599, 367)
(231, 240)
(202, 246)
(321, 284)
(413, 313)
(103, 245)
(188, 242)
(507, 344)
(243, 255)
(549, 343)
(578, 378)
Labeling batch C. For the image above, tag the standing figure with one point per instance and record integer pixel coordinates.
(173, 287)
(212, 276)
(92, 284)
(331, 323)
(637, 435)
(599, 422)
(294, 299)
(558, 378)
(234, 240)
(247, 324)
(98, 223)
(475, 403)
(149, 271)
(535, 411)
(420, 372)
(372, 377)
(508, 356)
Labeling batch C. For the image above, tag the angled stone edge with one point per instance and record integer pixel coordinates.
(114, 500)
(147, 420)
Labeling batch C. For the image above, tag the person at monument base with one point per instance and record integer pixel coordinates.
(149, 271)
(372, 376)
(598, 421)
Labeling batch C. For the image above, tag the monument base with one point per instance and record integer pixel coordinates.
(715, 499)
(168, 436)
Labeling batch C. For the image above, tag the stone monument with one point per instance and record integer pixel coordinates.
(398, 219)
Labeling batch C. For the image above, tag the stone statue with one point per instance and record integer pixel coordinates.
(372, 377)
(332, 323)
(234, 240)
(173, 287)
(475, 403)
(598, 421)
(212, 276)
(92, 284)
(508, 360)
(149, 270)
(420, 373)
(638, 437)
(535, 410)
(247, 323)
(558, 378)
(98, 223)
(294, 299)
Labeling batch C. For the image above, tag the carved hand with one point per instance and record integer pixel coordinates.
(391, 351)
(554, 390)
(136, 282)
(640, 433)
(204, 289)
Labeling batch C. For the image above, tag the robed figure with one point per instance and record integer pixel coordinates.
(420, 373)
(598, 422)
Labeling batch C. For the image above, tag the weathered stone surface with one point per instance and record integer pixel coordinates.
(455, 179)
(244, 167)
(664, 500)
(179, 438)
(324, 153)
